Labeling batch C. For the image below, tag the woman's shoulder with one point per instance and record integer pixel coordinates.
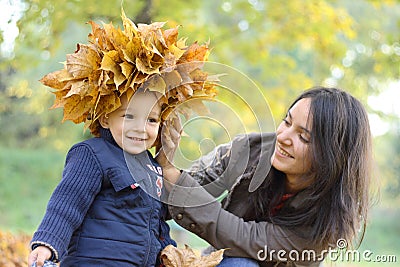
(254, 140)
(254, 137)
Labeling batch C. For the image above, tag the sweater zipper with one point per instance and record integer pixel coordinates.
(148, 227)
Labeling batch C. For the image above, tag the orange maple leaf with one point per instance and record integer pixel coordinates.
(176, 257)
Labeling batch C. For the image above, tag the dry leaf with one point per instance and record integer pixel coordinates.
(176, 257)
(119, 61)
(57, 79)
(171, 36)
(155, 83)
(83, 61)
(195, 52)
(14, 249)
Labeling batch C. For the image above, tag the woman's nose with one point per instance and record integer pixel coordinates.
(284, 136)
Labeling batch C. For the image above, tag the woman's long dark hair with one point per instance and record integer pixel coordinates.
(335, 205)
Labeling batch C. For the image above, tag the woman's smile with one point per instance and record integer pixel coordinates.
(281, 152)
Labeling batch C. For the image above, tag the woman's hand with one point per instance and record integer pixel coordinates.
(166, 148)
(39, 255)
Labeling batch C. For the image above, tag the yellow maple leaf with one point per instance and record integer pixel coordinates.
(98, 38)
(176, 51)
(130, 28)
(80, 88)
(81, 63)
(172, 79)
(111, 62)
(132, 49)
(116, 37)
(170, 36)
(138, 77)
(176, 257)
(127, 69)
(195, 52)
(60, 100)
(155, 83)
(145, 66)
(108, 104)
(57, 79)
(76, 109)
(151, 34)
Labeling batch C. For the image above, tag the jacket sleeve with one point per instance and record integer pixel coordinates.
(197, 211)
(219, 170)
(70, 201)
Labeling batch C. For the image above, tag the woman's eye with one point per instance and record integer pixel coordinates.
(287, 123)
(304, 139)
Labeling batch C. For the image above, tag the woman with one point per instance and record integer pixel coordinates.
(314, 195)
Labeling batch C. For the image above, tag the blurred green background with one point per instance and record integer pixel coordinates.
(284, 47)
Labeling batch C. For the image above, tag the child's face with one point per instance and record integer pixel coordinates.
(135, 124)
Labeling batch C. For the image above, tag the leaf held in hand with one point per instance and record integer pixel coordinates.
(177, 257)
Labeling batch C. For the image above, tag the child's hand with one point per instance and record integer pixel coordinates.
(39, 255)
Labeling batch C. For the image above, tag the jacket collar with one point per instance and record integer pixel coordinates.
(264, 162)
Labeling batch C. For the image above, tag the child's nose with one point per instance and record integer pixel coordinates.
(138, 125)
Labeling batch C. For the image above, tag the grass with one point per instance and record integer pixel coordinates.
(27, 178)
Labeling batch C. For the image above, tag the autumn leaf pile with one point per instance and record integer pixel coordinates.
(177, 257)
(117, 62)
(14, 249)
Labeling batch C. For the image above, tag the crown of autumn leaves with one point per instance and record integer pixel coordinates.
(117, 62)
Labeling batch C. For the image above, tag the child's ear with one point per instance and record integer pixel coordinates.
(103, 120)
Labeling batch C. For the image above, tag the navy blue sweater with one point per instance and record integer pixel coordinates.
(100, 214)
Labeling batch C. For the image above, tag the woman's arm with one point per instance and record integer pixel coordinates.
(197, 211)
(217, 171)
(207, 171)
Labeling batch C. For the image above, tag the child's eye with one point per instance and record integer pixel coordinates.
(128, 116)
(152, 120)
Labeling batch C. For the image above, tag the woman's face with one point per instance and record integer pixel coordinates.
(292, 149)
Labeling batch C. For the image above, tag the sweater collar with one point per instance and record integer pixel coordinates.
(107, 135)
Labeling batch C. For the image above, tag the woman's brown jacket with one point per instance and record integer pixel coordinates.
(235, 170)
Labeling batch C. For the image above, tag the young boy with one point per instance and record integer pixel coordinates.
(106, 211)
(99, 215)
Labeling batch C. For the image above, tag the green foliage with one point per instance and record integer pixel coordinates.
(387, 157)
(382, 232)
(27, 179)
